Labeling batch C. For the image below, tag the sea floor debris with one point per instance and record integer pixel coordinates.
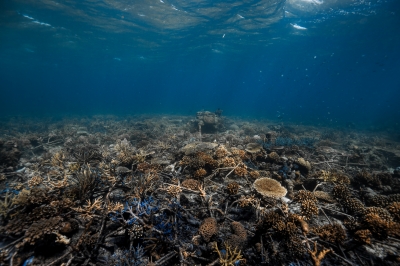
(171, 190)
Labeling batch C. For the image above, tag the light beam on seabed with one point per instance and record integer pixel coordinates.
(298, 27)
(317, 2)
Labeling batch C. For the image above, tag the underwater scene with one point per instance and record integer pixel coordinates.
(199, 132)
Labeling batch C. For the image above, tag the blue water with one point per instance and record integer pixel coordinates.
(300, 61)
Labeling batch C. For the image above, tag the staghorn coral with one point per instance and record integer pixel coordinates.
(229, 257)
(232, 188)
(333, 233)
(6, 204)
(269, 188)
(318, 256)
(208, 228)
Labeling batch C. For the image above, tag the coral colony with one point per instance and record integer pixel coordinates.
(204, 190)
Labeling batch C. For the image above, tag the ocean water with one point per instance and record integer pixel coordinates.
(318, 62)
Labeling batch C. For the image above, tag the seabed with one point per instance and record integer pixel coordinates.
(196, 190)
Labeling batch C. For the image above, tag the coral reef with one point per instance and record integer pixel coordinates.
(204, 190)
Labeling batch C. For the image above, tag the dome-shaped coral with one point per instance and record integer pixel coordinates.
(208, 228)
(269, 187)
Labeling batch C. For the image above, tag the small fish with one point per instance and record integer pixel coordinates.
(117, 58)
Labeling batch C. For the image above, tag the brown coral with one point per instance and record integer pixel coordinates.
(241, 170)
(239, 230)
(254, 174)
(308, 209)
(363, 236)
(303, 164)
(333, 233)
(200, 173)
(232, 188)
(324, 196)
(208, 228)
(269, 187)
(274, 157)
(221, 152)
(303, 195)
(228, 162)
(191, 184)
(41, 228)
(316, 256)
(394, 210)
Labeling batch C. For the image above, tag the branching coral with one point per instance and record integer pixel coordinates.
(229, 256)
(232, 188)
(318, 256)
(333, 233)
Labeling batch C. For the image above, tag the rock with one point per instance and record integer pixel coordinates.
(197, 146)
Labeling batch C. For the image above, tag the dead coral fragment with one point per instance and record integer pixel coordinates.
(208, 228)
(229, 257)
(269, 188)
